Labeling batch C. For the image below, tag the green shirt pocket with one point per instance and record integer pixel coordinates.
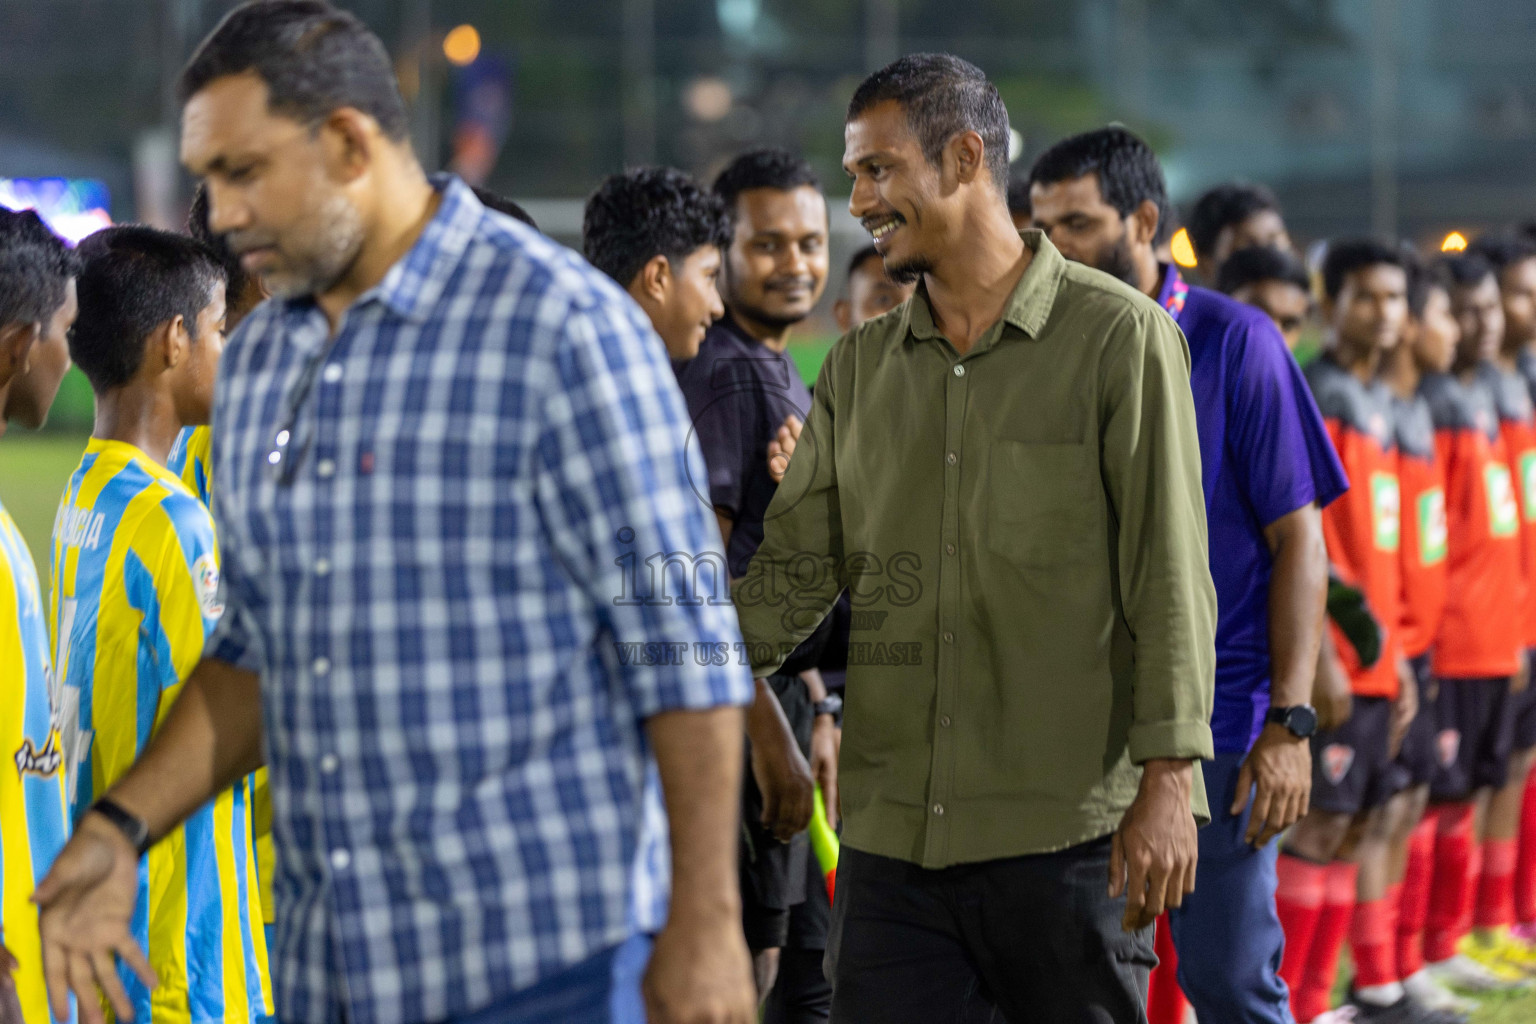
(1043, 500)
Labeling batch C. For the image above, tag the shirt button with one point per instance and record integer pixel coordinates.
(951, 458)
(949, 549)
(959, 371)
(328, 764)
(323, 567)
(321, 666)
(949, 637)
(326, 467)
(332, 373)
(944, 721)
(937, 809)
(341, 860)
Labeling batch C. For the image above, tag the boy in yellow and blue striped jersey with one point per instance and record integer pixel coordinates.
(135, 573)
(37, 306)
(191, 459)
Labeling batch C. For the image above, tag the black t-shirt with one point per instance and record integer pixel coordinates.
(739, 391)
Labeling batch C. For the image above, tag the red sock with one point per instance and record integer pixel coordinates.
(1414, 907)
(1165, 1000)
(1525, 868)
(1312, 999)
(1496, 888)
(1450, 894)
(1372, 937)
(1299, 902)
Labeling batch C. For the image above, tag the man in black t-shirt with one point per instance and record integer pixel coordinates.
(740, 389)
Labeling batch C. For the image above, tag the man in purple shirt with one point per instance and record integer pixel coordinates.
(1268, 469)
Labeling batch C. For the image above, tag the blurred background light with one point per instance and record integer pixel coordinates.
(1454, 242)
(1015, 145)
(72, 207)
(1182, 248)
(462, 45)
(708, 98)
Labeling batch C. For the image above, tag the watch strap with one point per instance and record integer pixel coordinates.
(133, 828)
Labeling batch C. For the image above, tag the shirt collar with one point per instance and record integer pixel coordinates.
(1175, 291)
(416, 281)
(413, 285)
(1028, 308)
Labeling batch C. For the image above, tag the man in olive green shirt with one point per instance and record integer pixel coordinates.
(1005, 474)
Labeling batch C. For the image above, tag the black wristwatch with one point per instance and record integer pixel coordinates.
(1300, 720)
(134, 829)
(831, 705)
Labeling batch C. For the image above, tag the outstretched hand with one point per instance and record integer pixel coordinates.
(86, 905)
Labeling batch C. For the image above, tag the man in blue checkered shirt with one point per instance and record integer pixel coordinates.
(457, 531)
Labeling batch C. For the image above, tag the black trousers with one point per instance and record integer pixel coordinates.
(803, 995)
(1025, 940)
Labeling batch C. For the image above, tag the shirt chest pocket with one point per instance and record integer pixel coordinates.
(1044, 503)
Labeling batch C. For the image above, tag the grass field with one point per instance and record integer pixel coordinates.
(34, 470)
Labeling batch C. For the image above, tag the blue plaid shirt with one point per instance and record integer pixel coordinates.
(446, 606)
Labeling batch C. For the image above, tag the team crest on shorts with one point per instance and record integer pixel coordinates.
(1448, 745)
(43, 763)
(1337, 760)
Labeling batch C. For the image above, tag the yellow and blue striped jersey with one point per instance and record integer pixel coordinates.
(33, 818)
(191, 459)
(135, 575)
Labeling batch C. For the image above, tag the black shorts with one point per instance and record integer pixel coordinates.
(1351, 768)
(1476, 733)
(1525, 710)
(1417, 758)
(773, 874)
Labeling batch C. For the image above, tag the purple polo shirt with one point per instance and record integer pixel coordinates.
(1264, 453)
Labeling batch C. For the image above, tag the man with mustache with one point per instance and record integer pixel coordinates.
(1268, 468)
(741, 388)
(436, 446)
(1005, 474)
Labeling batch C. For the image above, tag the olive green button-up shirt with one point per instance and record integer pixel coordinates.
(1022, 533)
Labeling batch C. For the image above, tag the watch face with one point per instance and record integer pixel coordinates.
(1302, 721)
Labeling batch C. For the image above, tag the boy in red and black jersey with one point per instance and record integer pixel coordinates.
(1430, 348)
(1517, 291)
(1354, 772)
(1513, 260)
(1480, 646)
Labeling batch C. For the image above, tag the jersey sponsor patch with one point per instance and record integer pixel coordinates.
(1338, 758)
(43, 763)
(205, 576)
(1433, 532)
(1386, 511)
(1447, 746)
(1528, 484)
(1503, 515)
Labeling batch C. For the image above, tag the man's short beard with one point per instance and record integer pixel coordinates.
(909, 271)
(334, 249)
(772, 321)
(1116, 261)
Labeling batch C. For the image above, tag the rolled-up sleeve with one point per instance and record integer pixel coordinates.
(1151, 465)
(622, 494)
